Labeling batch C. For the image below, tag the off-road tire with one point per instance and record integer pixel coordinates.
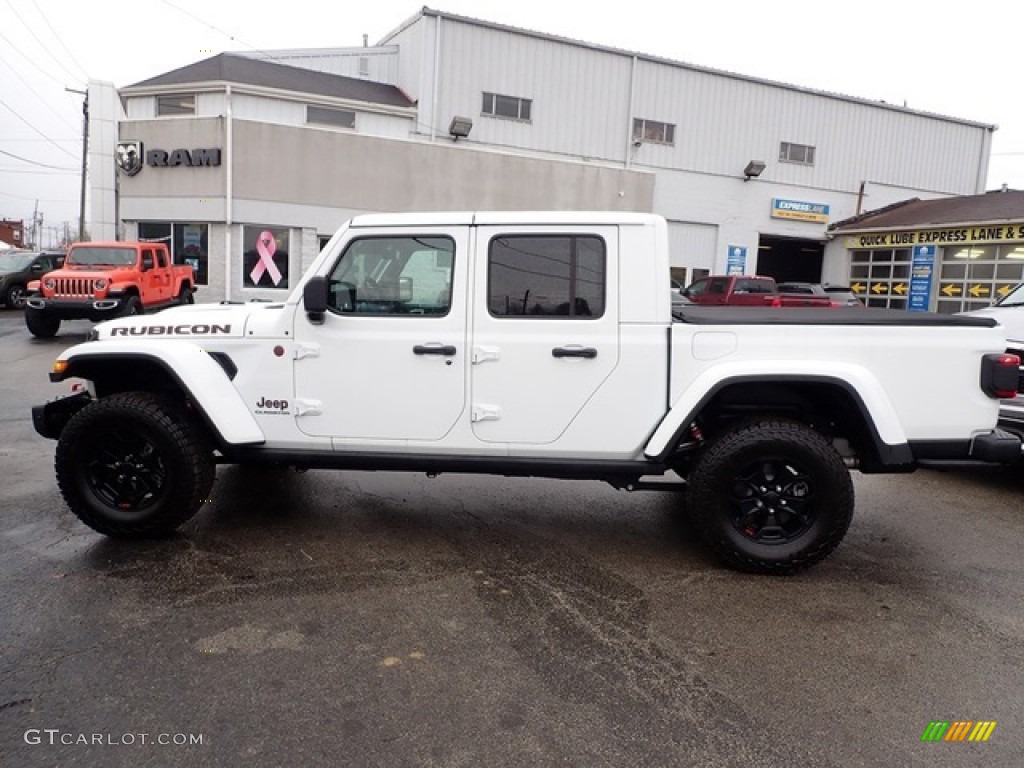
(185, 296)
(132, 306)
(134, 465)
(40, 324)
(771, 496)
(14, 296)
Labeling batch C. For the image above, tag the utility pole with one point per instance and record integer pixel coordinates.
(85, 159)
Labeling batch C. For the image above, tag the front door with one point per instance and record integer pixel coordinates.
(389, 361)
(545, 329)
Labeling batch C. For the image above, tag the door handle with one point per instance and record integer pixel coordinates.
(434, 349)
(588, 352)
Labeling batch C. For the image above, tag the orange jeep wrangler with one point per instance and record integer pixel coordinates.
(103, 280)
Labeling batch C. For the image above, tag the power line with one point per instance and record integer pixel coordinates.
(36, 197)
(26, 122)
(34, 162)
(41, 43)
(215, 28)
(38, 95)
(57, 38)
(40, 173)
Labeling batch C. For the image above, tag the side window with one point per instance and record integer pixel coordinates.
(161, 258)
(394, 276)
(546, 275)
(147, 259)
(717, 287)
(697, 288)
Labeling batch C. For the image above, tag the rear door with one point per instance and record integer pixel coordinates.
(545, 328)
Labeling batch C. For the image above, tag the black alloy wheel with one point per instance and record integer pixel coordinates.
(134, 464)
(771, 496)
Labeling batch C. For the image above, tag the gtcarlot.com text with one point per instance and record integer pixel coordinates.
(56, 737)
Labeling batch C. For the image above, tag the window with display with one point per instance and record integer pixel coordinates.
(188, 243)
(264, 257)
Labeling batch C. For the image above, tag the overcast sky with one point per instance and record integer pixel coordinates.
(953, 59)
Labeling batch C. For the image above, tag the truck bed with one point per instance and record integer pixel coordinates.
(731, 315)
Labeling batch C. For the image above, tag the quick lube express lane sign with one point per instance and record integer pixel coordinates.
(1005, 233)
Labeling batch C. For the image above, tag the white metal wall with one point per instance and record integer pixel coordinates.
(692, 245)
(581, 106)
(379, 64)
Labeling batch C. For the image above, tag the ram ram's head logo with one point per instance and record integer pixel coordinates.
(129, 157)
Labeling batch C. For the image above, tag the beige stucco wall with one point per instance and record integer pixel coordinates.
(352, 171)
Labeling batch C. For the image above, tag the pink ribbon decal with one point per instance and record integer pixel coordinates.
(266, 248)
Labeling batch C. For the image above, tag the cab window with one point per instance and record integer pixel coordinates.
(394, 276)
(561, 276)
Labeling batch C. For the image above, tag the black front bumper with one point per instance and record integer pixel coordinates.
(77, 309)
(50, 418)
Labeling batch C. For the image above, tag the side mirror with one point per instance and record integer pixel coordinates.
(314, 296)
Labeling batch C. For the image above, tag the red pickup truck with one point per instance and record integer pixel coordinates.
(749, 290)
(103, 280)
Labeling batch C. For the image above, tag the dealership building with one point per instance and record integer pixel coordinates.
(245, 159)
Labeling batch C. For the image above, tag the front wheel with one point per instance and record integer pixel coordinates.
(40, 324)
(771, 496)
(14, 296)
(132, 306)
(133, 465)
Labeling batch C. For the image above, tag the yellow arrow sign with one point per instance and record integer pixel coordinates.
(978, 290)
(878, 288)
(900, 288)
(951, 290)
(1002, 290)
(858, 287)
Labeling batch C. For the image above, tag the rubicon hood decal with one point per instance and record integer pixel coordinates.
(181, 329)
(199, 320)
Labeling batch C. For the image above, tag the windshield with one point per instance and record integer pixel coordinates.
(90, 256)
(15, 262)
(1014, 298)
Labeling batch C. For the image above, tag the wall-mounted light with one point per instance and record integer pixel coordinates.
(460, 127)
(754, 169)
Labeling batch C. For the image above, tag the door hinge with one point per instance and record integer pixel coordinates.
(306, 350)
(308, 407)
(483, 354)
(486, 412)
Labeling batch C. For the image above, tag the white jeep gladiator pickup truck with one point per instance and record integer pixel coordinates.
(528, 344)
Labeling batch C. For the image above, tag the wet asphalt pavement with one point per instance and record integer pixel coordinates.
(361, 619)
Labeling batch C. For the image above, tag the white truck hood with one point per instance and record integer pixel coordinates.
(203, 320)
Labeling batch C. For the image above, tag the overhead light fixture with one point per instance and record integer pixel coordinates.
(460, 127)
(969, 253)
(754, 169)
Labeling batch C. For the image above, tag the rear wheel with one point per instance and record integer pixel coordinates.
(133, 465)
(771, 496)
(185, 296)
(40, 324)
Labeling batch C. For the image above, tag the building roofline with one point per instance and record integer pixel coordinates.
(427, 11)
